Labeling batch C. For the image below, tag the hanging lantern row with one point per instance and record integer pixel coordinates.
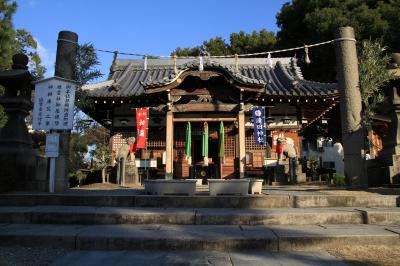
(287, 120)
(262, 99)
(120, 101)
(297, 100)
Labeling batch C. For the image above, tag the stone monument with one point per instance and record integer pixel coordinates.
(127, 173)
(131, 171)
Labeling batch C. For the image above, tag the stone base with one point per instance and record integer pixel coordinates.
(168, 187)
(384, 170)
(301, 178)
(281, 173)
(131, 174)
(255, 186)
(228, 186)
(23, 171)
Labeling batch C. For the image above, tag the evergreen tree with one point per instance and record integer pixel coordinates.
(373, 62)
(7, 35)
(26, 44)
(239, 43)
(303, 22)
(7, 32)
(16, 41)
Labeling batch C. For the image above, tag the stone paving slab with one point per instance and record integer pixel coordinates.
(156, 258)
(32, 199)
(40, 235)
(316, 201)
(251, 201)
(394, 229)
(95, 215)
(280, 216)
(114, 215)
(174, 237)
(309, 237)
(197, 237)
(205, 216)
(282, 200)
(382, 215)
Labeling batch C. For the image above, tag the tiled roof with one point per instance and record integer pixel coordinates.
(128, 78)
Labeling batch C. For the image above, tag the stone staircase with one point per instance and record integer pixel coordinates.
(201, 223)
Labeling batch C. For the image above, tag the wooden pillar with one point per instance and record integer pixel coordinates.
(350, 106)
(169, 143)
(242, 143)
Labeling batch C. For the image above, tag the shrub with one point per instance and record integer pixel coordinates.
(77, 177)
(339, 180)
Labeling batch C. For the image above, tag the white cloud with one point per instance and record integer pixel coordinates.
(48, 58)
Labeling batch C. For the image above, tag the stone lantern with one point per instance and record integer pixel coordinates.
(18, 160)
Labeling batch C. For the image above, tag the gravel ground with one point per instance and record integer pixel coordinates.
(29, 256)
(368, 254)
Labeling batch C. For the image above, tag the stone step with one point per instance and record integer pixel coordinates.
(208, 258)
(197, 216)
(197, 237)
(200, 201)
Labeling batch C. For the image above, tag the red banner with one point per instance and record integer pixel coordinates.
(141, 124)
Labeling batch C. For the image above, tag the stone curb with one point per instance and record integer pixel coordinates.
(199, 216)
(261, 201)
(204, 238)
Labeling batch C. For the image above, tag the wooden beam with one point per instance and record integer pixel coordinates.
(203, 107)
(205, 119)
(182, 92)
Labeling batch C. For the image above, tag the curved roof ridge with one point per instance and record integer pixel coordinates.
(207, 64)
(99, 85)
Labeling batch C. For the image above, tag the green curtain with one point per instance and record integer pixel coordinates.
(188, 140)
(221, 152)
(204, 147)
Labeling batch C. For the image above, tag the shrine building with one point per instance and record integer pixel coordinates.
(212, 90)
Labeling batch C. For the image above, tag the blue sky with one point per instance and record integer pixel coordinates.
(146, 26)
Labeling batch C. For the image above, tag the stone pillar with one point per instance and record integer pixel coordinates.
(67, 45)
(169, 143)
(350, 106)
(242, 143)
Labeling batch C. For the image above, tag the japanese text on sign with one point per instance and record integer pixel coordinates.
(54, 104)
(141, 124)
(259, 125)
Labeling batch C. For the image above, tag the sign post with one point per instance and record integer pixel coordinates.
(53, 110)
(51, 151)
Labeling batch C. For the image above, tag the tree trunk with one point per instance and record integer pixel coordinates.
(103, 171)
(103, 175)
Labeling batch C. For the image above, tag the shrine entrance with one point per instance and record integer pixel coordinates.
(216, 167)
